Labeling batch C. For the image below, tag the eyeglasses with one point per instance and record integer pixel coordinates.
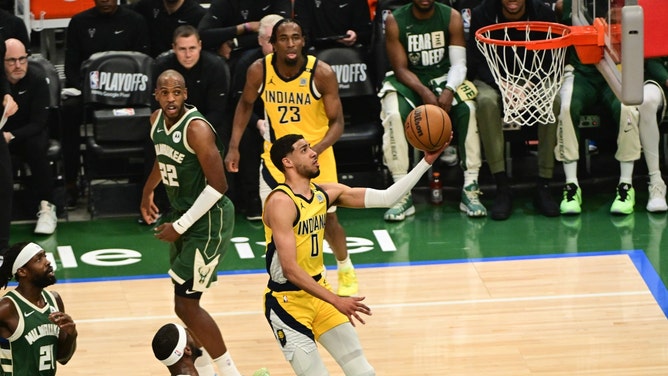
(14, 60)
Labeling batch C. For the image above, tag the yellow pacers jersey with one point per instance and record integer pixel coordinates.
(309, 229)
(295, 106)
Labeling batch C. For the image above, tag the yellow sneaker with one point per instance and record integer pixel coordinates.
(347, 282)
(261, 372)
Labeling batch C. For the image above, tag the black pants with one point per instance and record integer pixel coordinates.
(33, 151)
(6, 193)
(72, 116)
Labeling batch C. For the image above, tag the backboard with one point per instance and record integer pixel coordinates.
(631, 35)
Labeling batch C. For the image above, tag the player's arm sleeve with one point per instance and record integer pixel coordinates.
(374, 198)
(457, 72)
(204, 202)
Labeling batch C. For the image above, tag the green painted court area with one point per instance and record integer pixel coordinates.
(114, 248)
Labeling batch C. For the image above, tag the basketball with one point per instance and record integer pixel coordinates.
(428, 127)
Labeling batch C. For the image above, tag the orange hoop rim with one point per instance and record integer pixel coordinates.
(561, 32)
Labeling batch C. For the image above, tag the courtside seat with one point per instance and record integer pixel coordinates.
(117, 92)
(358, 151)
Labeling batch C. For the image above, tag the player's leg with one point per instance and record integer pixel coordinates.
(488, 113)
(463, 116)
(547, 139)
(628, 150)
(653, 102)
(344, 346)
(334, 232)
(290, 315)
(576, 93)
(194, 269)
(395, 108)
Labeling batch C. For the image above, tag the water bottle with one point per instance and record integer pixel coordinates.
(435, 189)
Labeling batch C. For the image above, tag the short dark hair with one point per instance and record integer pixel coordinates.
(282, 147)
(273, 38)
(184, 31)
(164, 341)
(8, 257)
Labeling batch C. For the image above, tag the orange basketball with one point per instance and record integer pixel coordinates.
(428, 127)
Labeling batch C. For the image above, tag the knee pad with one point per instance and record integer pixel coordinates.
(343, 344)
(307, 364)
(628, 136)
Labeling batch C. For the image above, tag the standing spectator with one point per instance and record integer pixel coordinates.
(164, 16)
(230, 26)
(289, 73)
(105, 27)
(489, 107)
(30, 308)
(250, 146)
(323, 20)
(27, 132)
(426, 49)
(200, 226)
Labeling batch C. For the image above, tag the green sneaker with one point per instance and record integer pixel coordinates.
(261, 372)
(624, 200)
(348, 285)
(402, 209)
(572, 200)
(471, 203)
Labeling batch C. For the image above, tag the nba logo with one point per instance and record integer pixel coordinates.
(94, 77)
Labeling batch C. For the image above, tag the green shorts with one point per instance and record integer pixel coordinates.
(197, 253)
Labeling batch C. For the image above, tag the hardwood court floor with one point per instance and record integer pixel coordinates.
(582, 315)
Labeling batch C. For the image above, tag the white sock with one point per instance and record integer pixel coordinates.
(626, 172)
(226, 365)
(345, 264)
(204, 364)
(470, 176)
(655, 177)
(571, 172)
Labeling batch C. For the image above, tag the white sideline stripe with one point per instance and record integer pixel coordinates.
(396, 305)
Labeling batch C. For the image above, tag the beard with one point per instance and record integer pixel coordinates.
(314, 174)
(44, 281)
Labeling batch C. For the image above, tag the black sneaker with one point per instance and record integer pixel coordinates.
(254, 209)
(503, 205)
(544, 202)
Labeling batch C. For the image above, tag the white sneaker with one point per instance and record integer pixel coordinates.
(657, 198)
(46, 218)
(449, 156)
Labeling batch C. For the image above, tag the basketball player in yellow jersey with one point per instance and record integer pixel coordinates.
(298, 302)
(300, 95)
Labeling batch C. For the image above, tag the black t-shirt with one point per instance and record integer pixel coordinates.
(32, 96)
(90, 32)
(323, 19)
(161, 25)
(207, 83)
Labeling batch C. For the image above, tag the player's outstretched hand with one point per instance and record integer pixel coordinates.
(430, 156)
(352, 306)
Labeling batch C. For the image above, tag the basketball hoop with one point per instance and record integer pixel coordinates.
(527, 62)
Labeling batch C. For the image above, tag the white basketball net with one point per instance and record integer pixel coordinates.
(529, 80)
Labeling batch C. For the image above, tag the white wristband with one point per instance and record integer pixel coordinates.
(374, 198)
(204, 202)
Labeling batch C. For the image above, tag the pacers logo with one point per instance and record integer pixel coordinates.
(280, 336)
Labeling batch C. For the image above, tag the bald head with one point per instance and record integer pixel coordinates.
(16, 63)
(171, 77)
